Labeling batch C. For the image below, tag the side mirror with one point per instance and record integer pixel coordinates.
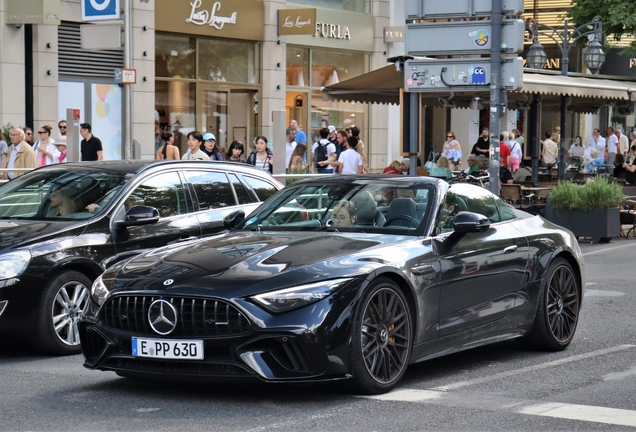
(468, 222)
(232, 220)
(465, 222)
(140, 215)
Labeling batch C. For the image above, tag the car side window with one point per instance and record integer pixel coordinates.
(506, 211)
(212, 189)
(241, 192)
(163, 192)
(261, 188)
(463, 197)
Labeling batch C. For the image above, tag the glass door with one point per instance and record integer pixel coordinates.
(243, 117)
(230, 114)
(214, 115)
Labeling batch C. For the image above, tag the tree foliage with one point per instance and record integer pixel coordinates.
(618, 17)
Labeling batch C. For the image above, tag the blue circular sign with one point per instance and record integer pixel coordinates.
(481, 38)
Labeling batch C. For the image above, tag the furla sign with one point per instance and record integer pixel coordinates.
(237, 19)
(329, 29)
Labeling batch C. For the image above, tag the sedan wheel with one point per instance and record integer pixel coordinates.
(65, 300)
(558, 310)
(382, 339)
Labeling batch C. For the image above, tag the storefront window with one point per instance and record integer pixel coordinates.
(297, 66)
(174, 56)
(175, 106)
(228, 60)
(340, 114)
(348, 5)
(331, 67)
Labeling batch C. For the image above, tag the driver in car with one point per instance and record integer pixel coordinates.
(344, 214)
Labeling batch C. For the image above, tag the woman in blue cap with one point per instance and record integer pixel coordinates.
(210, 148)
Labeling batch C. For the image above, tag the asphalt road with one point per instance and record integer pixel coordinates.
(590, 386)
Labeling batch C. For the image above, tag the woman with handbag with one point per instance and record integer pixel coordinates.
(453, 151)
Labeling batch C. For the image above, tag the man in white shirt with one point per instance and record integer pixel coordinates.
(290, 144)
(323, 151)
(597, 142)
(612, 146)
(623, 142)
(350, 161)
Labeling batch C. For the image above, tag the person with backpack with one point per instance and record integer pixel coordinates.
(262, 158)
(323, 151)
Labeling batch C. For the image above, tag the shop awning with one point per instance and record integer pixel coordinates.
(586, 95)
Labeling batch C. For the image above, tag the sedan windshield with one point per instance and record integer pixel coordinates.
(59, 194)
(362, 205)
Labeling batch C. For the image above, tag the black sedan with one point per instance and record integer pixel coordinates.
(62, 225)
(340, 278)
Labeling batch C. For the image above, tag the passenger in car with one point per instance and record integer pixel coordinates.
(62, 203)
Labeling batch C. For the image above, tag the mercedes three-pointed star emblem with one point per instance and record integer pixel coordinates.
(162, 316)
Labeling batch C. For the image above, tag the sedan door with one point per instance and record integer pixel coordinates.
(483, 272)
(177, 221)
(216, 195)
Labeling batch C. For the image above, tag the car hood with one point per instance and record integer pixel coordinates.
(22, 233)
(245, 263)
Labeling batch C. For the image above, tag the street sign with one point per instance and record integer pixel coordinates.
(425, 9)
(125, 76)
(461, 37)
(98, 10)
(435, 75)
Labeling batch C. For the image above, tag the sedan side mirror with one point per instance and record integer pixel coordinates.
(139, 215)
(232, 220)
(469, 222)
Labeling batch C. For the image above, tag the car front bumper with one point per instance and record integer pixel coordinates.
(307, 344)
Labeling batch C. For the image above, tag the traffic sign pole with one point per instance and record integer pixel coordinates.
(495, 94)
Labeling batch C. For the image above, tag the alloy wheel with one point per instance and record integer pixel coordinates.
(563, 304)
(71, 301)
(385, 336)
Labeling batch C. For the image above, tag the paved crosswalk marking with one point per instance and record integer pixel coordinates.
(540, 366)
(588, 413)
(492, 402)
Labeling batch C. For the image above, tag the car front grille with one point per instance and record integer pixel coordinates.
(196, 317)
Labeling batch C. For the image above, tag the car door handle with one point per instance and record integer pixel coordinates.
(423, 269)
(510, 249)
(184, 239)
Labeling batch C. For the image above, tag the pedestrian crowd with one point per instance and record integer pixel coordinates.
(27, 152)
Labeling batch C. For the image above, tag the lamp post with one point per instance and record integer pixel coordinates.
(565, 37)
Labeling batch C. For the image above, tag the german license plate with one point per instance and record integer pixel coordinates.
(168, 348)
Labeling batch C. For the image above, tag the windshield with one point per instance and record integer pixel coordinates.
(60, 194)
(357, 206)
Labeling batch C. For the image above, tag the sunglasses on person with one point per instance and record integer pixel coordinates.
(62, 127)
(450, 136)
(41, 132)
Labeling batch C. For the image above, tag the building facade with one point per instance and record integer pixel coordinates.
(220, 66)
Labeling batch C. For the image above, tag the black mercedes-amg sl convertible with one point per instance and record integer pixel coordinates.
(340, 278)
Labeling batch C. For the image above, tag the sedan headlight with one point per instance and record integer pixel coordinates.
(13, 264)
(293, 298)
(99, 292)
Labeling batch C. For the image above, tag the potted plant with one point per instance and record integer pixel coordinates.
(589, 210)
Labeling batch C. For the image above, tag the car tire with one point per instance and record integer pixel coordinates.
(64, 301)
(382, 339)
(558, 309)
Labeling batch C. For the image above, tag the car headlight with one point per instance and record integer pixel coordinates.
(13, 264)
(99, 292)
(292, 298)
